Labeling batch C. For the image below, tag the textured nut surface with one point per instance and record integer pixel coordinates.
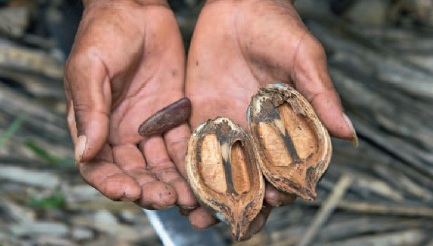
(293, 145)
(224, 174)
(286, 143)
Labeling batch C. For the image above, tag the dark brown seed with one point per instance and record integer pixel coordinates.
(167, 118)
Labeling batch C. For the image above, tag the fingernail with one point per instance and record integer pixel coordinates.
(80, 147)
(189, 207)
(354, 137)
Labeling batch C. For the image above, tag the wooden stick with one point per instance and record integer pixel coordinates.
(375, 208)
(405, 237)
(326, 209)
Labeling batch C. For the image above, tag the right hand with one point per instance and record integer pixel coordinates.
(127, 63)
(240, 46)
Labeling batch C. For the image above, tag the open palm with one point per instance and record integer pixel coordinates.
(127, 63)
(240, 46)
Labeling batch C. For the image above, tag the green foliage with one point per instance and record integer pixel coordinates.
(10, 131)
(56, 200)
(47, 156)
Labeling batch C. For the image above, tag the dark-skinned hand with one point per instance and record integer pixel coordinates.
(239, 46)
(127, 63)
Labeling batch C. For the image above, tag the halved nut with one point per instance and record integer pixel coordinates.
(223, 172)
(293, 146)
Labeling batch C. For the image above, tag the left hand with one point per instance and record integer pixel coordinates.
(127, 63)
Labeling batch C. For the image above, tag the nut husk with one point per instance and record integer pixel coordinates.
(293, 145)
(286, 143)
(223, 172)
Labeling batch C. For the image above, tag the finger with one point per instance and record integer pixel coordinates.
(109, 179)
(311, 78)
(72, 124)
(258, 223)
(160, 164)
(154, 194)
(277, 198)
(201, 219)
(176, 141)
(88, 87)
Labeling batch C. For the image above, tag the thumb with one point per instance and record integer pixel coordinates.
(313, 81)
(88, 91)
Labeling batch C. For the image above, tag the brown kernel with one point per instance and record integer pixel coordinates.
(240, 174)
(211, 166)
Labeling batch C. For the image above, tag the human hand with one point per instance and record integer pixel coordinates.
(127, 63)
(240, 46)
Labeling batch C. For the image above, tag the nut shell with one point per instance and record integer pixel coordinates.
(293, 146)
(223, 172)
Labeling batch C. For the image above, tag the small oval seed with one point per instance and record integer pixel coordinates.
(167, 118)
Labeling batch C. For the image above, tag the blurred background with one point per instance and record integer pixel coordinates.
(380, 55)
